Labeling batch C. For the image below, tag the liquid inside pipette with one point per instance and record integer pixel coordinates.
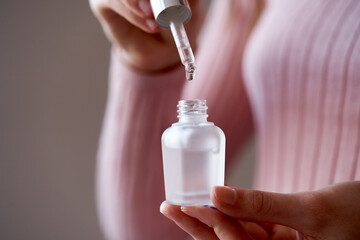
(184, 48)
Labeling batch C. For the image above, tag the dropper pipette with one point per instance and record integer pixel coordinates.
(174, 14)
(184, 48)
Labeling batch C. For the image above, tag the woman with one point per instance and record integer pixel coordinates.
(289, 68)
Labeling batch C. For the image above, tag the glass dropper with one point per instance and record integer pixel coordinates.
(182, 42)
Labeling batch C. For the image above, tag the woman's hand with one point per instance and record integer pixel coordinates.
(329, 213)
(139, 42)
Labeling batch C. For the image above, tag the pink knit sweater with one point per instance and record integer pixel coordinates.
(296, 79)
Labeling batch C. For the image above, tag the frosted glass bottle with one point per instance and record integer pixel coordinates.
(193, 156)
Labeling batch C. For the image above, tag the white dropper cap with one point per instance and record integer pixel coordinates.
(174, 14)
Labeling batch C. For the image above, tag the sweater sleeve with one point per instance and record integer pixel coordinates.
(141, 106)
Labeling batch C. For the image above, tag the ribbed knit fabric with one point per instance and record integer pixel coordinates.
(300, 69)
(302, 72)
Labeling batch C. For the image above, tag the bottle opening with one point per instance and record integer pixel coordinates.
(192, 108)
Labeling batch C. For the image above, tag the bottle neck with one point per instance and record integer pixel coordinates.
(192, 111)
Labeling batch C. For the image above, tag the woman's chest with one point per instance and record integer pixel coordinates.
(305, 53)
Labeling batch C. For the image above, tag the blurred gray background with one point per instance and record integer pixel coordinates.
(53, 79)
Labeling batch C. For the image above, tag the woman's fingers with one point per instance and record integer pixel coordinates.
(121, 16)
(282, 232)
(292, 210)
(311, 213)
(142, 8)
(192, 226)
(323, 214)
(146, 23)
(255, 230)
(224, 227)
(139, 42)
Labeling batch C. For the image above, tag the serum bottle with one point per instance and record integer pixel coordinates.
(193, 156)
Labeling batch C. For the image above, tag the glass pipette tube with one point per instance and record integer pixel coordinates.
(184, 48)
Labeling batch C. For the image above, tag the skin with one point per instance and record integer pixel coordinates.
(136, 38)
(326, 214)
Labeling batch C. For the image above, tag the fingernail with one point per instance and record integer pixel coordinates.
(145, 7)
(151, 24)
(162, 207)
(226, 195)
(188, 211)
(184, 209)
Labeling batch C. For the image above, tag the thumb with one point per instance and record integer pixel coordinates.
(292, 210)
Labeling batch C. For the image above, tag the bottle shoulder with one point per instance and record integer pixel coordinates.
(209, 127)
(186, 135)
(192, 124)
